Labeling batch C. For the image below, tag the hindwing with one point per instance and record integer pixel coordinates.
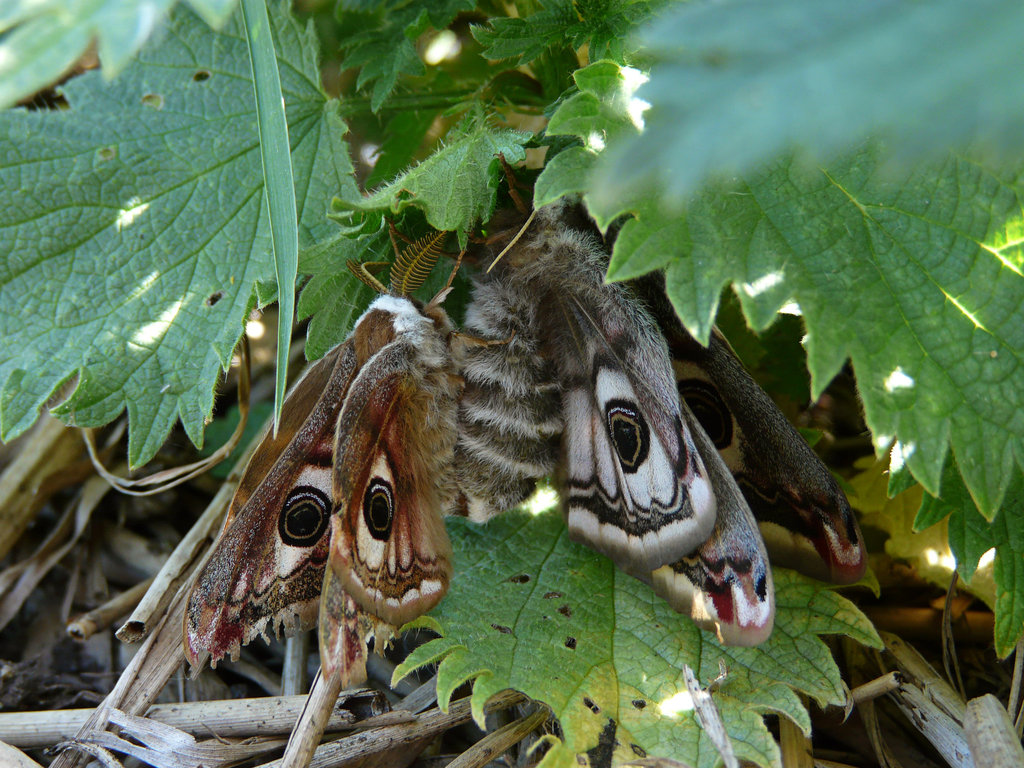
(392, 478)
(804, 516)
(726, 585)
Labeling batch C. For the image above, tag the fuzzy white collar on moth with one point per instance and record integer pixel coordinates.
(405, 318)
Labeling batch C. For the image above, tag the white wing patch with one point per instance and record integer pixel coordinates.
(628, 498)
(372, 551)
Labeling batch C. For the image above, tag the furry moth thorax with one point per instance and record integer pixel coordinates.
(584, 384)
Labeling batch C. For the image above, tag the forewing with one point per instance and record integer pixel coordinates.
(267, 566)
(389, 548)
(637, 488)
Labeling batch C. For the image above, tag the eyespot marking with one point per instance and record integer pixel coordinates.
(379, 508)
(709, 408)
(303, 517)
(629, 433)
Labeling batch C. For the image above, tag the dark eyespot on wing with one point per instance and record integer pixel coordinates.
(303, 517)
(379, 508)
(709, 408)
(629, 433)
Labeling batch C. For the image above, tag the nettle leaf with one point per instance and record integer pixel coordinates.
(761, 78)
(602, 109)
(567, 628)
(603, 25)
(971, 536)
(44, 38)
(455, 187)
(135, 227)
(385, 47)
(916, 278)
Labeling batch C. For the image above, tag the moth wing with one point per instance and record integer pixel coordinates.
(637, 488)
(268, 563)
(389, 547)
(805, 517)
(727, 585)
(343, 634)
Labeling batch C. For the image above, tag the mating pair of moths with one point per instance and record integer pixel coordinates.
(562, 375)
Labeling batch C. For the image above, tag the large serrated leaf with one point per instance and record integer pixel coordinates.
(455, 187)
(564, 626)
(905, 276)
(136, 228)
(604, 27)
(737, 82)
(916, 278)
(45, 37)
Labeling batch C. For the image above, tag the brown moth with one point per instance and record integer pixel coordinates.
(576, 390)
(804, 516)
(343, 508)
(583, 383)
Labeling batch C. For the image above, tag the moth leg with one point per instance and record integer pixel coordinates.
(395, 236)
(513, 185)
(455, 270)
(478, 341)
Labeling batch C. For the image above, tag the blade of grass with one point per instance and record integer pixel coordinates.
(277, 175)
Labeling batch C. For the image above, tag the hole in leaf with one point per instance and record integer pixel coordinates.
(639, 703)
(570, 643)
(201, 75)
(153, 100)
(638, 750)
(565, 610)
(520, 578)
(214, 297)
(591, 705)
(552, 595)
(503, 630)
(107, 153)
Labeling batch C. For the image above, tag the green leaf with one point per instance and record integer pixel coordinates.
(601, 110)
(971, 535)
(761, 78)
(905, 276)
(135, 228)
(455, 187)
(275, 153)
(565, 627)
(385, 46)
(333, 297)
(916, 278)
(403, 136)
(45, 37)
(603, 26)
